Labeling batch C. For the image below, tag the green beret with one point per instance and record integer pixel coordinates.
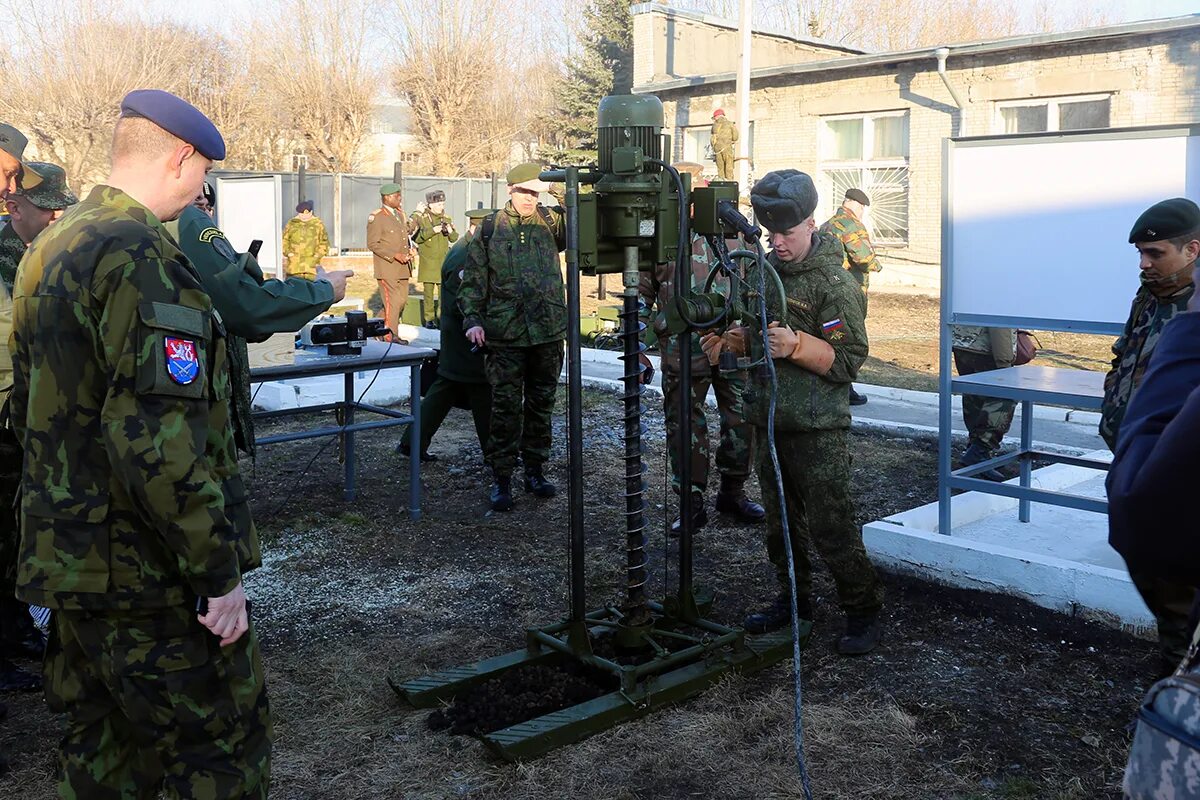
(389, 188)
(783, 199)
(1166, 220)
(479, 213)
(523, 172)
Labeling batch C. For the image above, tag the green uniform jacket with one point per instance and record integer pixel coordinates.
(860, 257)
(513, 285)
(456, 362)
(305, 243)
(825, 302)
(131, 497)
(724, 134)
(432, 245)
(1132, 351)
(11, 250)
(251, 307)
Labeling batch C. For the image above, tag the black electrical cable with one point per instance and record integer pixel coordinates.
(333, 437)
(798, 732)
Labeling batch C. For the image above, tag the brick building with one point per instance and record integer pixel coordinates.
(877, 120)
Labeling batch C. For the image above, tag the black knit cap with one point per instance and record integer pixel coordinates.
(1166, 220)
(783, 199)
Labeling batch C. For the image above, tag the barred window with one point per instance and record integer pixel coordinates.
(868, 152)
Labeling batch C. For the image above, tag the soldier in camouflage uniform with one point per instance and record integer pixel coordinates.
(305, 243)
(135, 527)
(987, 419)
(723, 135)
(513, 301)
(736, 435)
(435, 233)
(1166, 237)
(251, 307)
(30, 210)
(846, 225)
(818, 344)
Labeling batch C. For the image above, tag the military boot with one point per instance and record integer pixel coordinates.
(778, 614)
(699, 515)
(536, 483)
(502, 493)
(732, 499)
(857, 399)
(862, 635)
(976, 453)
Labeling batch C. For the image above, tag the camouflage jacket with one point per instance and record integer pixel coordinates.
(1131, 354)
(1000, 343)
(456, 362)
(860, 257)
(432, 244)
(305, 243)
(657, 288)
(11, 250)
(513, 284)
(724, 134)
(251, 307)
(131, 497)
(825, 302)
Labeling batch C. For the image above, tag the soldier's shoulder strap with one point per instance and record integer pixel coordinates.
(488, 228)
(549, 220)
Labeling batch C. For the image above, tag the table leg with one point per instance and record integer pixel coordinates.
(414, 450)
(348, 487)
(1026, 465)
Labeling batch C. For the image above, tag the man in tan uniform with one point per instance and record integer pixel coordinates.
(388, 230)
(724, 134)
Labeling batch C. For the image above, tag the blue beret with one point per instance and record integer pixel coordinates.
(176, 116)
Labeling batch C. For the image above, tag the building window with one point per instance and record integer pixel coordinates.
(869, 152)
(1052, 114)
(408, 158)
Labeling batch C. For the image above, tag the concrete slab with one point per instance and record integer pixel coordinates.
(1060, 559)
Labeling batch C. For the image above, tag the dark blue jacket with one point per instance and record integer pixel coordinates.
(1154, 483)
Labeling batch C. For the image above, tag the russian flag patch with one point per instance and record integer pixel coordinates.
(832, 325)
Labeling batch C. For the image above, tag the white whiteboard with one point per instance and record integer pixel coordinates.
(249, 209)
(1039, 226)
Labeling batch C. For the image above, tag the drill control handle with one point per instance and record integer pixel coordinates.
(729, 214)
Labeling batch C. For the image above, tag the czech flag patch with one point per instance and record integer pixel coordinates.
(832, 325)
(183, 365)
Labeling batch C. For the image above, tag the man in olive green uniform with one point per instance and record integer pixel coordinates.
(736, 446)
(846, 224)
(387, 239)
(435, 233)
(818, 344)
(135, 527)
(1167, 237)
(724, 134)
(461, 380)
(513, 300)
(305, 243)
(251, 307)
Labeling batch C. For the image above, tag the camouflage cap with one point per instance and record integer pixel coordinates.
(525, 176)
(13, 142)
(858, 196)
(51, 192)
(1166, 220)
(783, 199)
(389, 188)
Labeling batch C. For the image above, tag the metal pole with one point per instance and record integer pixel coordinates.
(397, 173)
(337, 213)
(496, 190)
(742, 165)
(601, 294)
(574, 401)
(300, 197)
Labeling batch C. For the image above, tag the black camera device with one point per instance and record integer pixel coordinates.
(341, 335)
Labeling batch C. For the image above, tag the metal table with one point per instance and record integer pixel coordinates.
(293, 363)
(1028, 384)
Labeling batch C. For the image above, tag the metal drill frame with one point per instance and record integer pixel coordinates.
(689, 652)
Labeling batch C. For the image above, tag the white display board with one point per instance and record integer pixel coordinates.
(1039, 225)
(249, 209)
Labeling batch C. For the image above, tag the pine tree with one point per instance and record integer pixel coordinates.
(603, 67)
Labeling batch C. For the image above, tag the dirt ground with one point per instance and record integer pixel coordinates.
(970, 696)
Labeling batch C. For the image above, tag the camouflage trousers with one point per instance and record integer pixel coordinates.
(816, 484)
(10, 482)
(725, 162)
(1171, 603)
(432, 292)
(987, 418)
(736, 447)
(153, 702)
(523, 381)
(446, 394)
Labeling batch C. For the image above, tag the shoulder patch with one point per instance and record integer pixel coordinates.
(219, 243)
(370, 217)
(834, 330)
